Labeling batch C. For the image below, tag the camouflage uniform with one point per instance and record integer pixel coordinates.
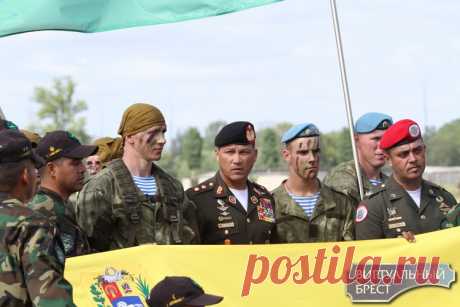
(332, 218)
(116, 214)
(343, 178)
(452, 218)
(31, 261)
(390, 211)
(62, 214)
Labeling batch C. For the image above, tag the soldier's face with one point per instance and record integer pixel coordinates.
(302, 156)
(236, 162)
(368, 148)
(149, 144)
(408, 161)
(69, 174)
(93, 164)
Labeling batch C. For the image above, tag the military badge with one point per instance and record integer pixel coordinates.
(414, 130)
(361, 213)
(221, 205)
(250, 134)
(232, 199)
(265, 211)
(254, 199)
(119, 288)
(220, 189)
(225, 225)
(52, 151)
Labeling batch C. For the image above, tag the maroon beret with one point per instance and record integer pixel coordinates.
(402, 132)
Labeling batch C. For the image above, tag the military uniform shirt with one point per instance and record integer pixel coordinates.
(390, 211)
(332, 218)
(343, 178)
(31, 270)
(223, 220)
(58, 211)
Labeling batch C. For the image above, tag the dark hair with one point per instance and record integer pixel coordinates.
(10, 173)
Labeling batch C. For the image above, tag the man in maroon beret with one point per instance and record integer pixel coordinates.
(406, 204)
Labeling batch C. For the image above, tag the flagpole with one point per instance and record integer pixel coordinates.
(346, 93)
(2, 116)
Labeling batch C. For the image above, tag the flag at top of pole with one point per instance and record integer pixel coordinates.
(18, 16)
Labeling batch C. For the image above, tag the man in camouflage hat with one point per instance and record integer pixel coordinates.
(31, 255)
(306, 209)
(132, 201)
(62, 175)
(406, 202)
(230, 208)
(369, 129)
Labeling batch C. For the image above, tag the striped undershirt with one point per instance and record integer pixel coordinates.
(307, 203)
(148, 184)
(376, 182)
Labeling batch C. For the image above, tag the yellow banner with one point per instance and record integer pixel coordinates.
(324, 274)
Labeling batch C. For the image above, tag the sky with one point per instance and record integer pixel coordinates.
(270, 64)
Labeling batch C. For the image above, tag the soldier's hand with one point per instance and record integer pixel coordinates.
(409, 236)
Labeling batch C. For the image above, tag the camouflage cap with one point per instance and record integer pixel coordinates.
(15, 147)
(139, 117)
(33, 137)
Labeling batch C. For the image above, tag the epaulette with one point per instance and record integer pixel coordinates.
(205, 186)
(376, 191)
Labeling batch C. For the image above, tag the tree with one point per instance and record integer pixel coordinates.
(269, 144)
(59, 109)
(443, 147)
(191, 145)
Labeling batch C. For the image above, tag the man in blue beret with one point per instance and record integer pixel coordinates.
(369, 129)
(230, 208)
(306, 209)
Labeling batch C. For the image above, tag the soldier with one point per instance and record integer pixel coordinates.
(132, 201)
(62, 175)
(406, 202)
(31, 256)
(369, 129)
(306, 209)
(93, 164)
(230, 208)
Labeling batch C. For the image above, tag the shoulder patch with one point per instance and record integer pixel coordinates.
(203, 187)
(361, 213)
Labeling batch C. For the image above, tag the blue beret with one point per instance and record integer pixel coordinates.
(373, 121)
(299, 131)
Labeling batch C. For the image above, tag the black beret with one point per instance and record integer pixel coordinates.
(240, 133)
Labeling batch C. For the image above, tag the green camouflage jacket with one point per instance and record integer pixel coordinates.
(343, 178)
(116, 214)
(452, 217)
(60, 212)
(31, 259)
(332, 218)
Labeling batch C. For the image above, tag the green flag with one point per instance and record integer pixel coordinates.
(17, 16)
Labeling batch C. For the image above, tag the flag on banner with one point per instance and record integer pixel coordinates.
(359, 273)
(18, 16)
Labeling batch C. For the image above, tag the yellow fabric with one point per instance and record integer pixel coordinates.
(139, 117)
(222, 270)
(109, 148)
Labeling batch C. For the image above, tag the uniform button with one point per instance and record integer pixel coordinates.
(226, 231)
(248, 220)
(269, 232)
(423, 217)
(398, 229)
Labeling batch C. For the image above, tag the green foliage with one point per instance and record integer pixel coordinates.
(58, 109)
(335, 148)
(443, 146)
(269, 150)
(191, 145)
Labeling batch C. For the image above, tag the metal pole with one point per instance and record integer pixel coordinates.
(346, 93)
(2, 116)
